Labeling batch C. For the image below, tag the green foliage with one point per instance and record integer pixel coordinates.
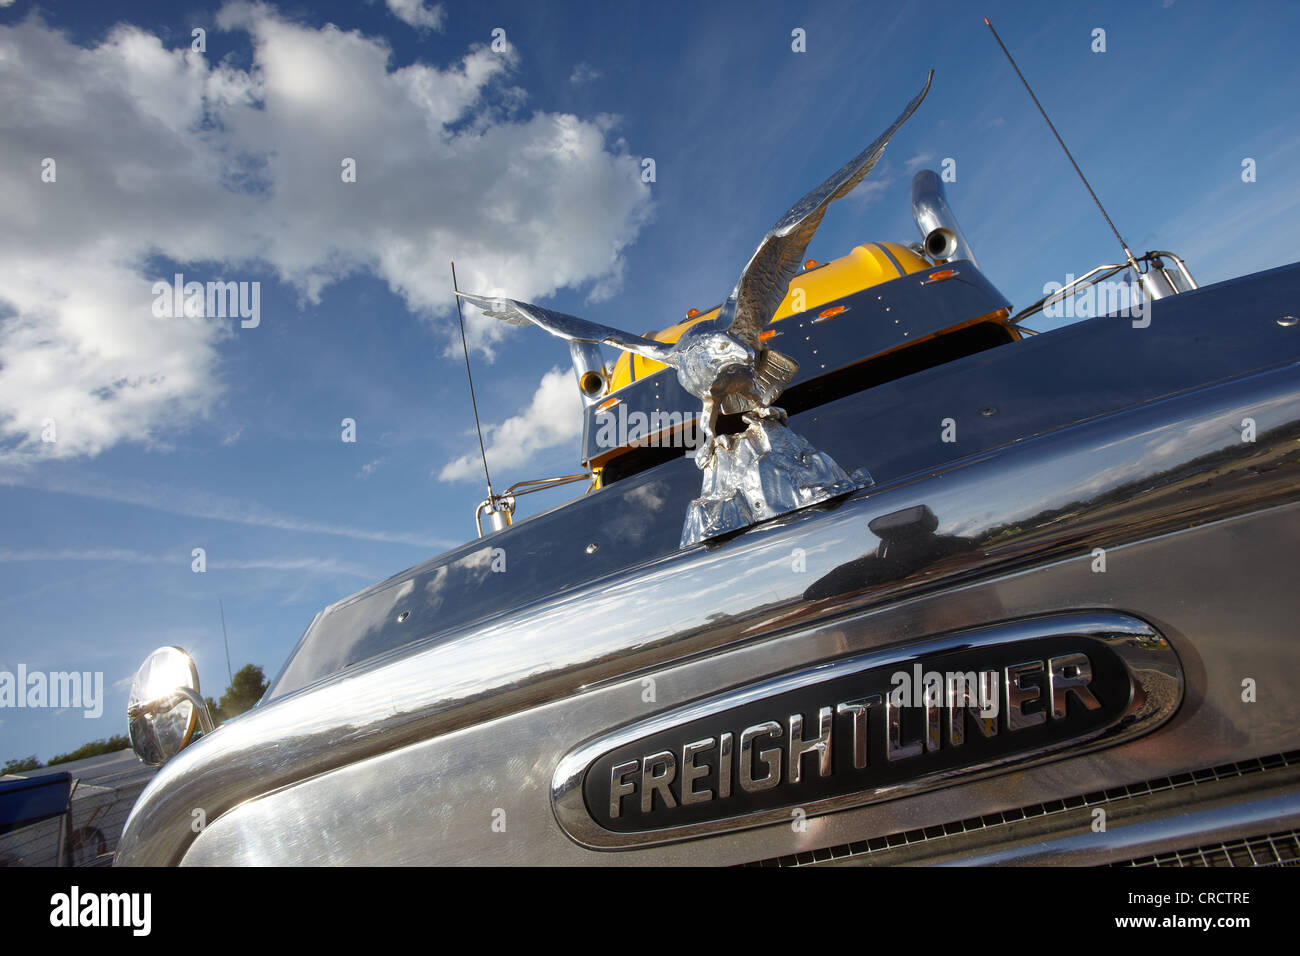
(94, 749)
(244, 691)
(19, 765)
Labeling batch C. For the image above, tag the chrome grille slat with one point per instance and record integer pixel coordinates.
(1270, 850)
(1035, 811)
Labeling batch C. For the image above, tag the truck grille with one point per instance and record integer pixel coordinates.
(1285, 842)
(1275, 849)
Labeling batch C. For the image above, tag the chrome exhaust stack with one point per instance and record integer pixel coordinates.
(589, 368)
(941, 237)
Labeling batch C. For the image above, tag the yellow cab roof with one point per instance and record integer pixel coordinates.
(867, 265)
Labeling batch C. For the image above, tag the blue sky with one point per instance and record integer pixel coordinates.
(177, 434)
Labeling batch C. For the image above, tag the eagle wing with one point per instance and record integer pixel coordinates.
(569, 326)
(773, 372)
(766, 279)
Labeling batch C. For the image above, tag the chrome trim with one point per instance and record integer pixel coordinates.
(500, 510)
(1176, 829)
(1154, 672)
(1139, 810)
(931, 212)
(430, 801)
(1156, 282)
(1109, 482)
(1179, 281)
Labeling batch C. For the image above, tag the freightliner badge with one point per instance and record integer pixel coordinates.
(870, 727)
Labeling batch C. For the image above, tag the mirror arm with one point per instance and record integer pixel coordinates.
(165, 703)
(200, 707)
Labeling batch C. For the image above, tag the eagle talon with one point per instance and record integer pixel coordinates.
(757, 415)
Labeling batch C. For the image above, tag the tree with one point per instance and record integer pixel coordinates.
(20, 765)
(93, 749)
(245, 690)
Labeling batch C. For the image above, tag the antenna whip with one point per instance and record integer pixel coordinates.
(469, 375)
(225, 638)
(1123, 245)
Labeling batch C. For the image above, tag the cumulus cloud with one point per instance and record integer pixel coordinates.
(159, 155)
(553, 417)
(416, 14)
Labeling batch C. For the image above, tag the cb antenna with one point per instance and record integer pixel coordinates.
(225, 638)
(1123, 245)
(469, 375)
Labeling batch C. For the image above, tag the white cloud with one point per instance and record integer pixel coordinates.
(118, 555)
(205, 505)
(311, 565)
(552, 418)
(869, 190)
(236, 172)
(584, 73)
(416, 14)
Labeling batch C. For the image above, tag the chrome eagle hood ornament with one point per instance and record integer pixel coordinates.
(765, 470)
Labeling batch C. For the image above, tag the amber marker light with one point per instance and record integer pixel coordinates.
(768, 334)
(832, 311)
(939, 276)
(608, 403)
(692, 313)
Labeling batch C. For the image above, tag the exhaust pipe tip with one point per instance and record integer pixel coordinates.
(589, 369)
(942, 238)
(941, 244)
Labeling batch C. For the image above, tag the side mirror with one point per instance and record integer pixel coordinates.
(164, 706)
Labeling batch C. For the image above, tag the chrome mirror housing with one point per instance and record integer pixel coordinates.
(164, 706)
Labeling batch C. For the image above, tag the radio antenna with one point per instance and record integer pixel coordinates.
(469, 375)
(1123, 245)
(225, 638)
